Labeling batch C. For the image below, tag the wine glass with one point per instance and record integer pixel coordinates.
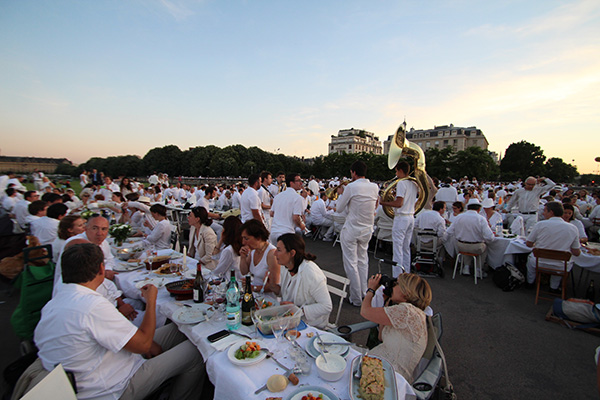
(255, 321)
(219, 300)
(278, 326)
(291, 335)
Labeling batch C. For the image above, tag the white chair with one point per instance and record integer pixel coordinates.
(517, 227)
(343, 293)
(338, 224)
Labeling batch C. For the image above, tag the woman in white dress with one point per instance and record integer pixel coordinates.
(258, 255)
(229, 256)
(202, 239)
(302, 281)
(160, 237)
(68, 226)
(402, 323)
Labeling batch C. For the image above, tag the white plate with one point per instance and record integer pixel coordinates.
(391, 392)
(126, 267)
(158, 282)
(313, 350)
(249, 361)
(193, 314)
(314, 390)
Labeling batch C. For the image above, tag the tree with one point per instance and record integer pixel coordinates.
(559, 171)
(521, 160)
(164, 159)
(438, 161)
(474, 162)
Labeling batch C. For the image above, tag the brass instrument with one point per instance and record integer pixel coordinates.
(332, 193)
(402, 147)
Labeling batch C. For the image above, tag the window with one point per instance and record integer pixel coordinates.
(446, 142)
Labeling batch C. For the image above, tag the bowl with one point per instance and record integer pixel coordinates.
(332, 370)
(268, 316)
(124, 254)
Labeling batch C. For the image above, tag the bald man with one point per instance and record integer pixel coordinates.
(527, 199)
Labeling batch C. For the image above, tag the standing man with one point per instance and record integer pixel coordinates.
(527, 199)
(96, 177)
(266, 197)
(250, 204)
(404, 218)
(359, 198)
(313, 185)
(279, 185)
(287, 209)
(552, 233)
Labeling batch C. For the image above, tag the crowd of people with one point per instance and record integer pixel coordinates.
(264, 239)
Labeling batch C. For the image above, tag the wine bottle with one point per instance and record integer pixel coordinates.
(199, 285)
(590, 294)
(233, 303)
(247, 303)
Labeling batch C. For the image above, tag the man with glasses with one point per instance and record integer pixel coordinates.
(287, 209)
(527, 199)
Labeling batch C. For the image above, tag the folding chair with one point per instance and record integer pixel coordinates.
(548, 254)
(338, 224)
(343, 293)
(427, 252)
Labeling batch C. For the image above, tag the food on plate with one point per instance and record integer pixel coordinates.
(372, 381)
(187, 285)
(310, 334)
(133, 260)
(310, 396)
(273, 398)
(277, 383)
(594, 252)
(164, 270)
(247, 350)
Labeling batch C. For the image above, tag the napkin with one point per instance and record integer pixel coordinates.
(227, 341)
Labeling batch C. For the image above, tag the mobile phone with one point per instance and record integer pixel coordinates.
(218, 336)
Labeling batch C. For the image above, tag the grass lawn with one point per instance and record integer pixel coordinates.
(75, 185)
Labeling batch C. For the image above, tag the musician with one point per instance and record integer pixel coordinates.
(404, 221)
(266, 197)
(359, 198)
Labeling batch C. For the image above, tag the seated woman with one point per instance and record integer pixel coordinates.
(202, 239)
(403, 324)
(229, 257)
(457, 208)
(258, 255)
(302, 281)
(68, 226)
(160, 237)
(569, 216)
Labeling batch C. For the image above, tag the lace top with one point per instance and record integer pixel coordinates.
(405, 340)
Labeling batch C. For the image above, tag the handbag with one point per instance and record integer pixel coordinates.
(508, 278)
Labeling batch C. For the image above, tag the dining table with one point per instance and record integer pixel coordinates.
(231, 381)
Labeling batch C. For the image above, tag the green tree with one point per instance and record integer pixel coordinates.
(474, 162)
(559, 171)
(438, 161)
(164, 159)
(521, 160)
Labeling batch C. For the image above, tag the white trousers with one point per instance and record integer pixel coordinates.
(529, 220)
(356, 263)
(554, 280)
(401, 236)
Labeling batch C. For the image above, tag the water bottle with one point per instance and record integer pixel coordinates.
(499, 227)
(233, 304)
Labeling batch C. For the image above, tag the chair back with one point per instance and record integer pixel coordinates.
(343, 292)
(426, 234)
(551, 255)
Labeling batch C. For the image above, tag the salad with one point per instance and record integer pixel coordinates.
(247, 350)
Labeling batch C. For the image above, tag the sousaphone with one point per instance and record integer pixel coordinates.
(401, 147)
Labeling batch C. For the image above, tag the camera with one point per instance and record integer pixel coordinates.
(388, 284)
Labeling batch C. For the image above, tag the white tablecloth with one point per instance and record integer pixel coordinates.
(584, 260)
(495, 249)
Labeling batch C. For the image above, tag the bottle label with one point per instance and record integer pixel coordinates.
(196, 295)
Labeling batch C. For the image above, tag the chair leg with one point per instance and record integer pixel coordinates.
(458, 257)
(537, 290)
(475, 269)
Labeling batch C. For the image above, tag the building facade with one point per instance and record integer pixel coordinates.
(444, 136)
(29, 164)
(355, 141)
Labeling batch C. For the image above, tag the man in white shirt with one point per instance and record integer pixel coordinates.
(279, 185)
(108, 189)
(21, 208)
(17, 183)
(287, 209)
(86, 334)
(433, 220)
(447, 194)
(10, 200)
(320, 216)
(359, 198)
(250, 204)
(266, 197)
(527, 199)
(472, 232)
(236, 197)
(404, 221)
(153, 179)
(96, 231)
(46, 227)
(313, 185)
(553, 233)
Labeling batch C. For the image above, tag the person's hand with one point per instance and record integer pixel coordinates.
(373, 282)
(149, 292)
(110, 274)
(128, 311)
(244, 251)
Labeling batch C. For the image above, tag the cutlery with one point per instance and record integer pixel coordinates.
(262, 290)
(322, 349)
(185, 305)
(335, 343)
(240, 334)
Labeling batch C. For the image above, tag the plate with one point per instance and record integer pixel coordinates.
(126, 267)
(592, 245)
(391, 393)
(193, 314)
(312, 349)
(249, 361)
(315, 390)
(158, 282)
(166, 267)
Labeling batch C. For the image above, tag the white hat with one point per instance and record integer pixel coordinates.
(487, 203)
(473, 201)
(144, 199)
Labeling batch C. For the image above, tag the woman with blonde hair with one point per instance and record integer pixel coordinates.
(403, 323)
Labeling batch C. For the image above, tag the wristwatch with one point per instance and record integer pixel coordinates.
(370, 290)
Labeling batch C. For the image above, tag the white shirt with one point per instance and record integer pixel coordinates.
(248, 202)
(554, 234)
(430, 219)
(360, 200)
(21, 211)
(319, 213)
(228, 260)
(494, 219)
(235, 199)
(109, 258)
(86, 334)
(528, 200)
(153, 179)
(203, 202)
(45, 229)
(265, 198)
(160, 237)
(447, 194)
(314, 186)
(471, 227)
(9, 203)
(285, 205)
(407, 189)
(579, 225)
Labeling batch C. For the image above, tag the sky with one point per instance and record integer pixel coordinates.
(82, 79)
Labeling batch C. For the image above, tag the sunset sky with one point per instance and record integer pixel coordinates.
(80, 79)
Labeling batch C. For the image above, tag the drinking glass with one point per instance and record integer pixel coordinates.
(220, 291)
(278, 326)
(255, 321)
